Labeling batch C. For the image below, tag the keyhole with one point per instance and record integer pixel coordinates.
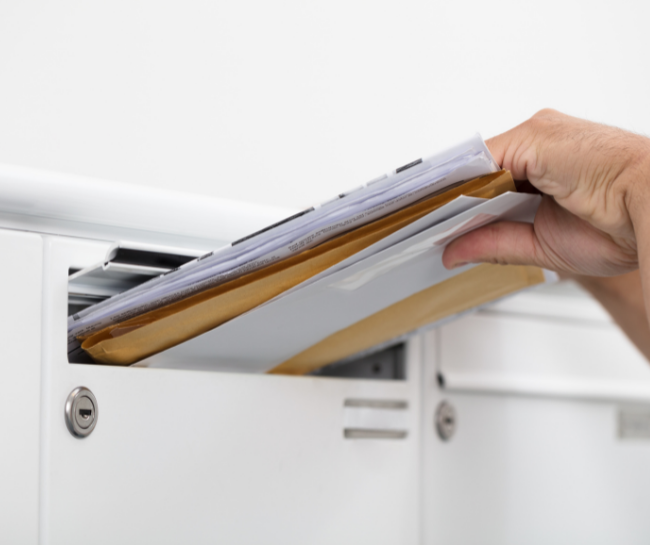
(81, 412)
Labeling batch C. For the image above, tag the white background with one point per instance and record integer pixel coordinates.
(291, 102)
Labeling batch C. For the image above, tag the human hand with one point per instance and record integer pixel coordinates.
(596, 181)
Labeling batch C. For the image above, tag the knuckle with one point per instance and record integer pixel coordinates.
(544, 119)
(546, 113)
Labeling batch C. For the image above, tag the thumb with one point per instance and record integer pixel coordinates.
(505, 243)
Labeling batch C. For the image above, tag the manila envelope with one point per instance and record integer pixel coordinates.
(468, 290)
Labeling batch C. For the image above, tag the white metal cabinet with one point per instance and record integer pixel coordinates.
(535, 471)
(194, 456)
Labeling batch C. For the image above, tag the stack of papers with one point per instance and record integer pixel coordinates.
(382, 219)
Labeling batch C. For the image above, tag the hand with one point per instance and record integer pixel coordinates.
(596, 181)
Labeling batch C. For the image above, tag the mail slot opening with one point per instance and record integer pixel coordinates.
(385, 364)
(124, 268)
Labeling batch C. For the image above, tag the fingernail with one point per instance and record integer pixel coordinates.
(459, 264)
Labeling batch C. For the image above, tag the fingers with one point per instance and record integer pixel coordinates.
(519, 150)
(583, 224)
(558, 240)
(504, 243)
(510, 151)
(499, 147)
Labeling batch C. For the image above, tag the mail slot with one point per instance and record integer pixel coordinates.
(127, 265)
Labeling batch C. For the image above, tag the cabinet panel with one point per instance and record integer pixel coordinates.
(204, 457)
(531, 469)
(494, 352)
(20, 385)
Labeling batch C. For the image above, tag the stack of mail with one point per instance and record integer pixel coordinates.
(332, 281)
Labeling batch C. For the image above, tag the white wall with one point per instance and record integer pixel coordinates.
(290, 102)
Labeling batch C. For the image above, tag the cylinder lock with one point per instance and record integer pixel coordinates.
(81, 412)
(445, 420)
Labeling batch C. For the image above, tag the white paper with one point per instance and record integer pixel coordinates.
(274, 332)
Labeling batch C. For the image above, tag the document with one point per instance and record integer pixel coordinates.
(268, 335)
(350, 244)
(371, 201)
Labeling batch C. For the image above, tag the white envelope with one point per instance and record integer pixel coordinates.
(405, 263)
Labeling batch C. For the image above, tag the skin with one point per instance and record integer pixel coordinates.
(594, 219)
(622, 297)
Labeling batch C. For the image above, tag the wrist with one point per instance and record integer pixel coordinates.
(597, 285)
(623, 287)
(638, 196)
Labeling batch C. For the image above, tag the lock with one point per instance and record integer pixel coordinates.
(81, 412)
(445, 420)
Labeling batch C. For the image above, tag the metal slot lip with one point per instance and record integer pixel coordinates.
(84, 299)
(156, 259)
(376, 404)
(108, 279)
(374, 434)
(126, 265)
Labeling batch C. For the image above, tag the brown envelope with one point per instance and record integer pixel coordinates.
(480, 285)
(158, 330)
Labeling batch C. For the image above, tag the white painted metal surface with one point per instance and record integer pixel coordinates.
(544, 343)
(532, 470)
(36, 200)
(202, 457)
(20, 385)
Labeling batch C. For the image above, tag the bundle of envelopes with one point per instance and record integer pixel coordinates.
(330, 282)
